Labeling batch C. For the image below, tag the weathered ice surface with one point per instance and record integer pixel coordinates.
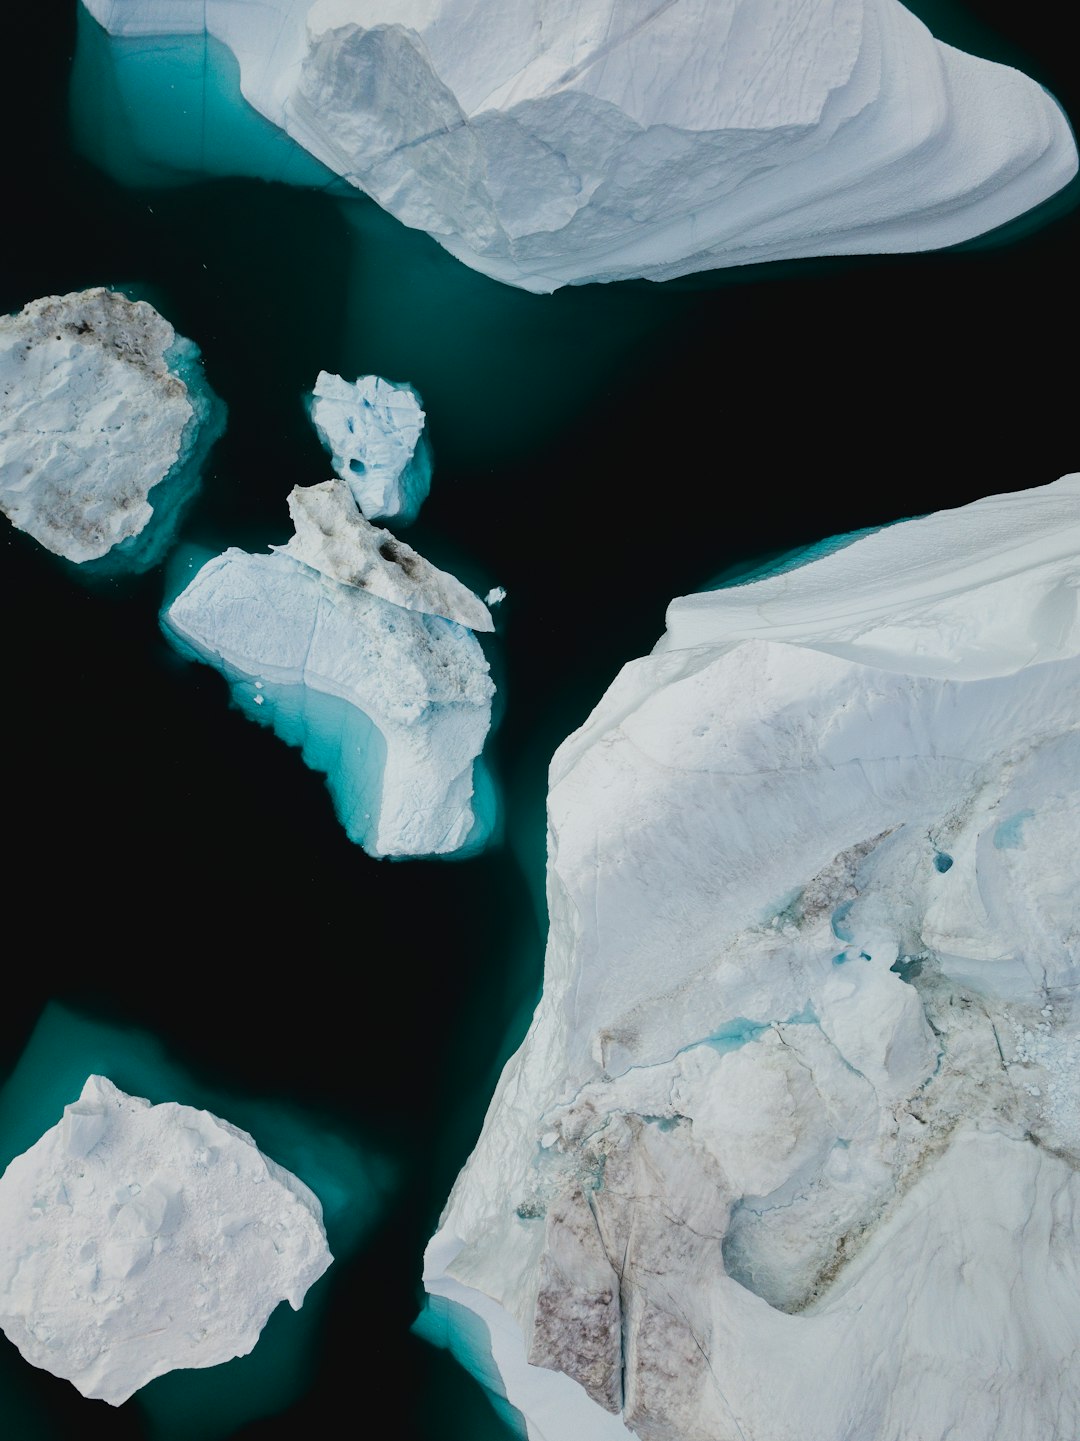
(136, 1239)
(391, 700)
(547, 142)
(791, 1147)
(374, 431)
(334, 538)
(100, 402)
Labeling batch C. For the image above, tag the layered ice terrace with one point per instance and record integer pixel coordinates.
(791, 1148)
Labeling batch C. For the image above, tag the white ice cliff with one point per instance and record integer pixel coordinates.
(374, 431)
(790, 1150)
(549, 142)
(136, 1239)
(100, 402)
(354, 648)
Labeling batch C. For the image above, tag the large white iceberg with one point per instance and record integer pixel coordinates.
(791, 1147)
(374, 431)
(136, 1239)
(353, 648)
(104, 420)
(549, 142)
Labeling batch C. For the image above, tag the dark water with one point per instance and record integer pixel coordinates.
(176, 873)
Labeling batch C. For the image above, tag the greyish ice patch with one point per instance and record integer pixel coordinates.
(353, 648)
(137, 1239)
(552, 142)
(105, 422)
(790, 1148)
(374, 431)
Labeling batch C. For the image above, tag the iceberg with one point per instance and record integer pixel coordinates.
(791, 1147)
(354, 649)
(136, 1239)
(334, 538)
(102, 404)
(552, 142)
(374, 431)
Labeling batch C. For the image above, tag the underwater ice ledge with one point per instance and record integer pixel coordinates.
(392, 703)
(352, 1183)
(606, 142)
(778, 778)
(105, 426)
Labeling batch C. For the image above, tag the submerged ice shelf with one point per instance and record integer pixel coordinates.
(548, 142)
(374, 431)
(357, 650)
(791, 1147)
(136, 1239)
(105, 421)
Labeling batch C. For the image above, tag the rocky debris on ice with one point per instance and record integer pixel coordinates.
(337, 647)
(374, 431)
(550, 142)
(791, 1148)
(137, 1239)
(100, 402)
(333, 538)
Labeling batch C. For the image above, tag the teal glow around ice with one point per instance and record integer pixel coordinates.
(334, 737)
(453, 1327)
(161, 110)
(213, 1403)
(174, 493)
(781, 561)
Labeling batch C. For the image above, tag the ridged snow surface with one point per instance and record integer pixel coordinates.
(790, 1150)
(95, 411)
(136, 1239)
(549, 142)
(343, 644)
(374, 431)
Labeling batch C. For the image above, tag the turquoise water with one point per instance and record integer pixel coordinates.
(597, 452)
(1009, 833)
(353, 1185)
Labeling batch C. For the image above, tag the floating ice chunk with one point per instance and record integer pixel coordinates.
(136, 1239)
(495, 596)
(794, 1090)
(335, 539)
(374, 431)
(549, 142)
(101, 403)
(391, 701)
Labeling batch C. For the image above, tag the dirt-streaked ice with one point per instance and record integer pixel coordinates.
(791, 1147)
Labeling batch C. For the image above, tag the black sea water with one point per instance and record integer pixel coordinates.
(183, 909)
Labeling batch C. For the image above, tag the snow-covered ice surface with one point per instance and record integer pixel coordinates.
(791, 1147)
(374, 431)
(101, 403)
(342, 643)
(136, 1239)
(550, 142)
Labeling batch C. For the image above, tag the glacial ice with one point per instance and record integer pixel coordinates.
(136, 1239)
(334, 538)
(552, 142)
(102, 404)
(353, 649)
(791, 1146)
(374, 431)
